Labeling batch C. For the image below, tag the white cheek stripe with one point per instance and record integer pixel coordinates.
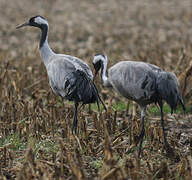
(39, 20)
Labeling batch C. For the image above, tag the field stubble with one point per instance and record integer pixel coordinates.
(35, 126)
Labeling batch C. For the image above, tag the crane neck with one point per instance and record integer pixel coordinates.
(45, 51)
(104, 77)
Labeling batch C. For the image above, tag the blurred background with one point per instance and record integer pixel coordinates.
(158, 32)
(122, 29)
(152, 31)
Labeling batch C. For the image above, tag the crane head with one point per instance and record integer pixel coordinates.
(98, 61)
(36, 21)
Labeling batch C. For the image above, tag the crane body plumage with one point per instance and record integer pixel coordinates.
(69, 77)
(70, 82)
(143, 83)
(139, 86)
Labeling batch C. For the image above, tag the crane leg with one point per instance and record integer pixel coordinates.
(163, 126)
(168, 149)
(75, 121)
(143, 113)
(134, 109)
(127, 109)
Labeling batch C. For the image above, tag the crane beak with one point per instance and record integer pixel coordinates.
(22, 25)
(97, 68)
(96, 72)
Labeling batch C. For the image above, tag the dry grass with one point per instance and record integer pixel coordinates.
(35, 126)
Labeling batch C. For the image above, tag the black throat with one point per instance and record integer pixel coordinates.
(44, 31)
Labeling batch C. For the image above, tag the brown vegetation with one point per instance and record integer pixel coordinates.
(35, 126)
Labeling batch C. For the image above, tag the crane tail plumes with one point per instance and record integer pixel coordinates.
(82, 89)
(168, 89)
(182, 103)
(99, 98)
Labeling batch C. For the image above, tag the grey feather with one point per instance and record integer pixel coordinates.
(58, 71)
(134, 80)
(84, 66)
(168, 89)
(143, 83)
(69, 77)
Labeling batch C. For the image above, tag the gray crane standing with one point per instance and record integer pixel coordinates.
(69, 77)
(143, 83)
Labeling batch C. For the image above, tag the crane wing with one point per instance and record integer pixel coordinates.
(81, 63)
(71, 83)
(134, 80)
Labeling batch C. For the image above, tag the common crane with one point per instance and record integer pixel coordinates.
(143, 83)
(69, 77)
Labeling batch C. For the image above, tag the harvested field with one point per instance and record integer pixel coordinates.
(36, 141)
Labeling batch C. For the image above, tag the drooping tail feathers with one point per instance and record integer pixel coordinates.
(168, 89)
(82, 89)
